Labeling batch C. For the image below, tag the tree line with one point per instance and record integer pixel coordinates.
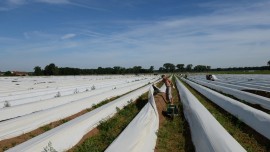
(52, 69)
(169, 67)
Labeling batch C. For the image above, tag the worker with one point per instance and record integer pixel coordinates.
(169, 85)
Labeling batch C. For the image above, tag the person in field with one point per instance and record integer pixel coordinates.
(169, 85)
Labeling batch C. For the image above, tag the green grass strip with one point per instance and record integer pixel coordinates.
(174, 135)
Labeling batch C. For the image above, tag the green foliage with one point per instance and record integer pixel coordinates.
(189, 67)
(8, 73)
(49, 148)
(38, 71)
(181, 67)
(51, 69)
(151, 69)
(46, 128)
(169, 67)
(201, 68)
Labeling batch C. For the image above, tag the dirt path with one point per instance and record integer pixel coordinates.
(173, 134)
(160, 100)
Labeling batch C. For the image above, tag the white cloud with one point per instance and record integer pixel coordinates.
(68, 36)
(16, 2)
(54, 1)
(7, 5)
(39, 35)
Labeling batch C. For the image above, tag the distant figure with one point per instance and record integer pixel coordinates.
(211, 77)
(169, 85)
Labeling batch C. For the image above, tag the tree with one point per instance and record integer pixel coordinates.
(200, 68)
(151, 69)
(8, 73)
(208, 68)
(137, 69)
(189, 67)
(268, 63)
(37, 70)
(180, 67)
(161, 69)
(169, 67)
(51, 69)
(166, 66)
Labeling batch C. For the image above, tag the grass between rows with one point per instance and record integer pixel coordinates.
(258, 92)
(174, 134)
(255, 106)
(246, 136)
(110, 129)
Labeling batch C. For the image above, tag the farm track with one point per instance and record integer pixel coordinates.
(174, 134)
(246, 136)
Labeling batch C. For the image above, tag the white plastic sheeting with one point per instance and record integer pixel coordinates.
(256, 119)
(248, 97)
(12, 86)
(207, 134)
(35, 95)
(241, 82)
(23, 109)
(15, 127)
(69, 134)
(140, 134)
(223, 84)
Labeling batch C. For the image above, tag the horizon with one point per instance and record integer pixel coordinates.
(92, 34)
(155, 68)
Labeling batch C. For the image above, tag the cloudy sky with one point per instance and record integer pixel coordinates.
(107, 33)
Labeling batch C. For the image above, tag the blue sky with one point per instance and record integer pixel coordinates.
(93, 33)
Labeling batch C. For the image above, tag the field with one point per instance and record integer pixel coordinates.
(124, 113)
(242, 72)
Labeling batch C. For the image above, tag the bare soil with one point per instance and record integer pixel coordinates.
(160, 100)
(258, 92)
